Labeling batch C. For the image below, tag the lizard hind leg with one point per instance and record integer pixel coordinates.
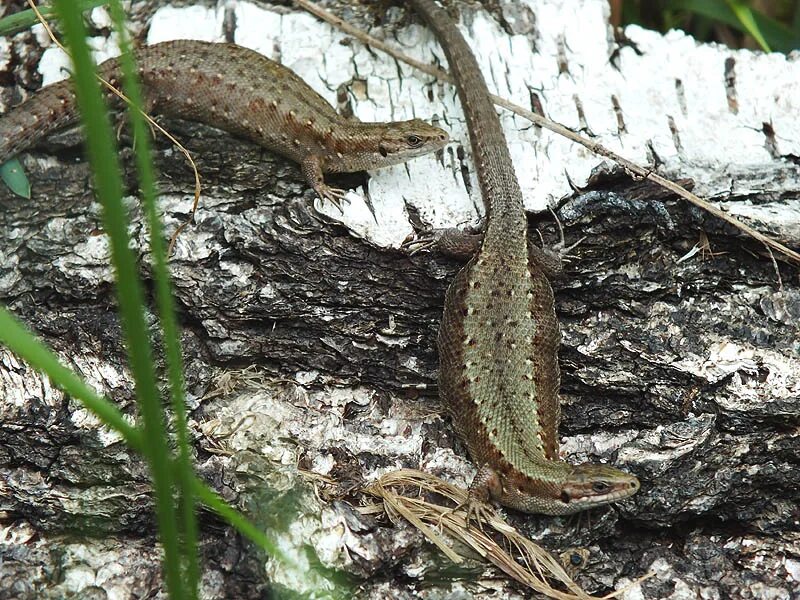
(484, 487)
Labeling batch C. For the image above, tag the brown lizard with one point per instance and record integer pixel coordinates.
(498, 342)
(243, 92)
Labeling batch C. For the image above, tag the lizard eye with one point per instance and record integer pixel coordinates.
(600, 487)
(565, 497)
(413, 140)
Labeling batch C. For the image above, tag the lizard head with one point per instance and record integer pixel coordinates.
(559, 488)
(364, 146)
(403, 140)
(589, 485)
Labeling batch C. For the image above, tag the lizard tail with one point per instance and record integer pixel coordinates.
(50, 109)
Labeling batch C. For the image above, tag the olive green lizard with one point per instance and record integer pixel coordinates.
(243, 92)
(498, 342)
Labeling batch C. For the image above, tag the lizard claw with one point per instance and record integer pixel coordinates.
(478, 511)
(423, 242)
(451, 242)
(335, 196)
(484, 486)
(562, 250)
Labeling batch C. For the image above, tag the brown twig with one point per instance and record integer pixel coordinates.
(538, 566)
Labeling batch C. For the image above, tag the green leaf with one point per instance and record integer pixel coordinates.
(13, 175)
(26, 18)
(776, 36)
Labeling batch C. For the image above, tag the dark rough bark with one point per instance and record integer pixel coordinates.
(268, 291)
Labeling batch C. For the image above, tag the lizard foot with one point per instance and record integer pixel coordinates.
(560, 250)
(450, 242)
(414, 244)
(335, 196)
(479, 511)
(476, 510)
(484, 486)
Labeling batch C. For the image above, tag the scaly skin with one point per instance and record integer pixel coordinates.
(499, 338)
(241, 91)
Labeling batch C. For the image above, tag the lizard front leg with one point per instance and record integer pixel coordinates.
(312, 171)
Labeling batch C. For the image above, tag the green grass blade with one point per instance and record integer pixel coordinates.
(745, 16)
(212, 500)
(164, 301)
(102, 154)
(13, 175)
(152, 440)
(17, 338)
(24, 344)
(26, 18)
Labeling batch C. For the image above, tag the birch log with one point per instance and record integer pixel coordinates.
(310, 338)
